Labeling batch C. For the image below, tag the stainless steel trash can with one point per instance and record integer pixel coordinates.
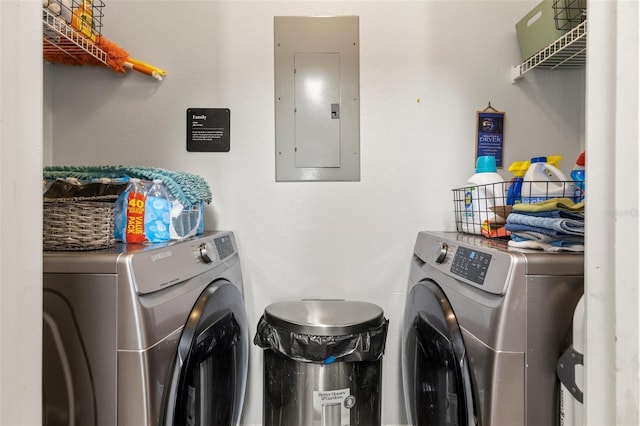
(322, 363)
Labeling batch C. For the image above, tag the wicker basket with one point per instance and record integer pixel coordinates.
(78, 223)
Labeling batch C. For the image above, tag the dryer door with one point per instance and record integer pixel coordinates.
(436, 379)
(209, 373)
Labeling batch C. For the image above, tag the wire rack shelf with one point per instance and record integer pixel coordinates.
(58, 36)
(569, 51)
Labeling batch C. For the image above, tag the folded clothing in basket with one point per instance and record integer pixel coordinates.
(187, 188)
(558, 225)
(73, 188)
(552, 225)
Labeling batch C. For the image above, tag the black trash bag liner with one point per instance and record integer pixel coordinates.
(366, 346)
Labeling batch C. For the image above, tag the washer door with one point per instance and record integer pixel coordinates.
(435, 370)
(209, 373)
(67, 384)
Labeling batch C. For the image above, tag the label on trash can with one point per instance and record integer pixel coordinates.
(331, 407)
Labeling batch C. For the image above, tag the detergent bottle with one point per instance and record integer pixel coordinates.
(482, 193)
(544, 180)
(554, 160)
(514, 192)
(82, 18)
(578, 177)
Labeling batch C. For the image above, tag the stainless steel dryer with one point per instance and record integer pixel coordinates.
(145, 335)
(483, 329)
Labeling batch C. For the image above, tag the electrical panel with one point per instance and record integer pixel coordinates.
(317, 99)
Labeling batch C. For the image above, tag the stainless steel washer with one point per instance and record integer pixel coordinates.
(483, 329)
(145, 335)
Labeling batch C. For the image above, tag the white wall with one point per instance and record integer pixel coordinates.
(20, 212)
(426, 67)
(612, 271)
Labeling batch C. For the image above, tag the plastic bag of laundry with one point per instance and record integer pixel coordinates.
(323, 331)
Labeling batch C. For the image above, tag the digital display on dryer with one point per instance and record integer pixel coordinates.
(471, 264)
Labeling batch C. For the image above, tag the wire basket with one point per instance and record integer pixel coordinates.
(483, 209)
(78, 223)
(480, 206)
(82, 15)
(569, 13)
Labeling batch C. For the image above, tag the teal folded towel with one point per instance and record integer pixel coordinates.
(187, 188)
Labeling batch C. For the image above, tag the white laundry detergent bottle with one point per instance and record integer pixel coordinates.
(544, 180)
(483, 193)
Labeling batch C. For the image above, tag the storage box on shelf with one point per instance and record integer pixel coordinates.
(537, 29)
(553, 35)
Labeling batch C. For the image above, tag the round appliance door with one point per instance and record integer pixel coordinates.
(68, 394)
(436, 378)
(209, 373)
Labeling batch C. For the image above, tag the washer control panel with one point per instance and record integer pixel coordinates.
(466, 259)
(471, 264)
(158, 266)
(224, 246)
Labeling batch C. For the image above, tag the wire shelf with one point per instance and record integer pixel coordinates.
(569, 51)
(79, 46)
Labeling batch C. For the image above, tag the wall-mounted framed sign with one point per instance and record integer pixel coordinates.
(208, 129)
(490, 133)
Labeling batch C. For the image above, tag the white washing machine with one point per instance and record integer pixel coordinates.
(145, 335)
(483, 329)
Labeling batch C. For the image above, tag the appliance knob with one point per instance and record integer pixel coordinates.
(441, 252)
(206, 252)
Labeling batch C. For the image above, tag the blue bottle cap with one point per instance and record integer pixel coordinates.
(538, 160)
(486, 163)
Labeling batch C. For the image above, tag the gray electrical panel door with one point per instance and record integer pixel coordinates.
(317, 98)
(317, 123)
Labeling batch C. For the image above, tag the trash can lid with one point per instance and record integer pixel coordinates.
(324, 317)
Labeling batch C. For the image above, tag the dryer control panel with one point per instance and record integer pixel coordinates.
(471, 264)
